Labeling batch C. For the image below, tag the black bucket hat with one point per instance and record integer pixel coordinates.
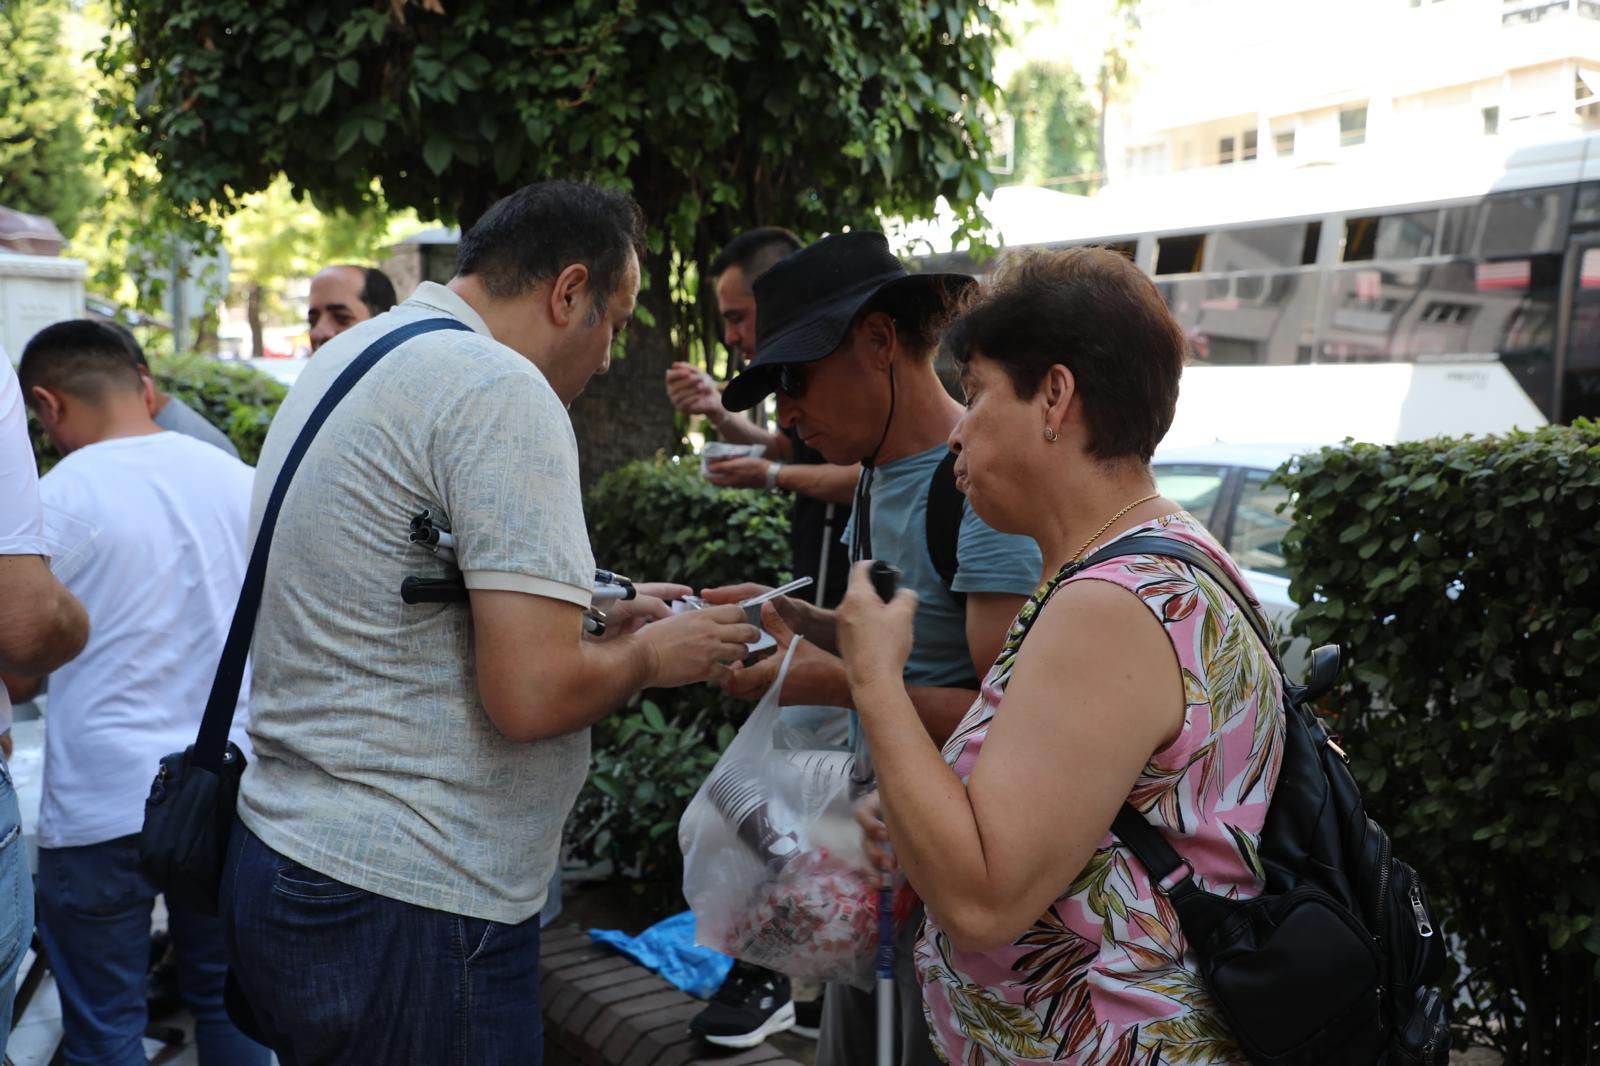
(806, 302)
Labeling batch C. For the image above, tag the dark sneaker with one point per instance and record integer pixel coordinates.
(751, 1005)
(808, 1018)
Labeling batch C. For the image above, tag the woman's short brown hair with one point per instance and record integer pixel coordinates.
(1098, 315)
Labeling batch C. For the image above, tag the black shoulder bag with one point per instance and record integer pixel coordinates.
(189, 813)
(1334, 963)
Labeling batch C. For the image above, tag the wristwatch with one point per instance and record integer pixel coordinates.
(772, 474)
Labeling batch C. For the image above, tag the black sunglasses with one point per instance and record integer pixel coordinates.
(792, 379)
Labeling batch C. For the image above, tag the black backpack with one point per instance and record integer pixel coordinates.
(1335, 961)
(942, 524)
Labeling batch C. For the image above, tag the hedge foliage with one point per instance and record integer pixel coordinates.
(1463, 579)
(662, 520)
(235, 397)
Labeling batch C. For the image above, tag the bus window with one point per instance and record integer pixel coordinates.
(1261, 248)
(1458, 228)
(1360, 238)
(1587, 210)
(1245, 320)
(1407, 236)
(1515, 223)
(1180, 254)
(1580, 380)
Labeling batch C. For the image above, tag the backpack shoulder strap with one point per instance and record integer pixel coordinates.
(1132, 828)
(211, 743)
(943, 524)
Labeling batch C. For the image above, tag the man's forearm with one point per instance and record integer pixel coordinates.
(597, 679)
(821, 481)
(738, 429)
(42, 625)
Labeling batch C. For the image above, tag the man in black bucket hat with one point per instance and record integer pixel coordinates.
(845, 337)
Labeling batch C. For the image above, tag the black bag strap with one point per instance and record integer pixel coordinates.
(211, 745)
(942, 524)
(1132, 828)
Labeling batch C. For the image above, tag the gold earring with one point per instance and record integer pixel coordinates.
(1049, 435)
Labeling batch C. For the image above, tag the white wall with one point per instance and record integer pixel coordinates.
(37, 291)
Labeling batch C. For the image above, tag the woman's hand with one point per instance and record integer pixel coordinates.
(874, 832)
(874, 637)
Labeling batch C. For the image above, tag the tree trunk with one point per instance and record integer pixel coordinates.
(624, 414)
(258, 340)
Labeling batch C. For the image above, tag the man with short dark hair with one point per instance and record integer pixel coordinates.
(169, 411)
(821, 490)
(147, 528)
(344, 295)
(415, 764)
(846, 340)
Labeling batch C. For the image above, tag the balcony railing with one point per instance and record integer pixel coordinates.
(1523, 12)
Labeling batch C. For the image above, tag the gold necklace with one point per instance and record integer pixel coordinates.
(1109, 522)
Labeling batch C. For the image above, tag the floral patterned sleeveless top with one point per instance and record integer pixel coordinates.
(1105, 975)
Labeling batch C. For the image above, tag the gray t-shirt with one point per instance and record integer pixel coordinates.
(179, 417)
(987, 561)
(376, 763)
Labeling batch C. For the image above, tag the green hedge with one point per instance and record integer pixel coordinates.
(235, 397)
(1463, 579)
(661, 520)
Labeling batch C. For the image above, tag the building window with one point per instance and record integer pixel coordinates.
(1248, 149)
(1353, 126)
(1283, 143)
(1225, 151)
(1491, 121)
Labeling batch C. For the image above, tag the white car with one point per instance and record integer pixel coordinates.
(1226, 487)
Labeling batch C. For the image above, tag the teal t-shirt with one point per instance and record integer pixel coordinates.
(988, 562)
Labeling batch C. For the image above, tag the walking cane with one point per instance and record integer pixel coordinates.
(828, 518)
(884, 580)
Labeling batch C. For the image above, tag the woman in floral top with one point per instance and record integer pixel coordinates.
(1136, 680)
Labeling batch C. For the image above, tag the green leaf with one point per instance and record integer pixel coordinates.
(720, 45)
(345, 139)
(437, 152)
(947, 98)
(652, 715)
(349, 72)
(320, 93)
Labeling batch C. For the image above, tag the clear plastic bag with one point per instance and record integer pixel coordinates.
(773, 866)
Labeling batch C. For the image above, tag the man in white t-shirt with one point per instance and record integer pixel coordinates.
(42, 625)
(147, 528)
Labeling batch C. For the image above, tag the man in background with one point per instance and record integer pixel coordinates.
(822, 491)
(344, 295)
(148, 529)
(42, 625)
(169, 411)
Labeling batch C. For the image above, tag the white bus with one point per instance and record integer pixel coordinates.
(1390, 299)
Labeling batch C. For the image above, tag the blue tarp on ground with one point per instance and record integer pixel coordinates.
(669, 949)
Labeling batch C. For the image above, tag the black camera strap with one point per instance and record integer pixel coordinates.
(212, 742)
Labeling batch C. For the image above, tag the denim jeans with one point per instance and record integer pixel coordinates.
(94, 921)
(336, 974)
(16, 901)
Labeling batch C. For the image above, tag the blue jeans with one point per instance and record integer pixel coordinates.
(16, 901)
(336, 974)
(94, 921)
